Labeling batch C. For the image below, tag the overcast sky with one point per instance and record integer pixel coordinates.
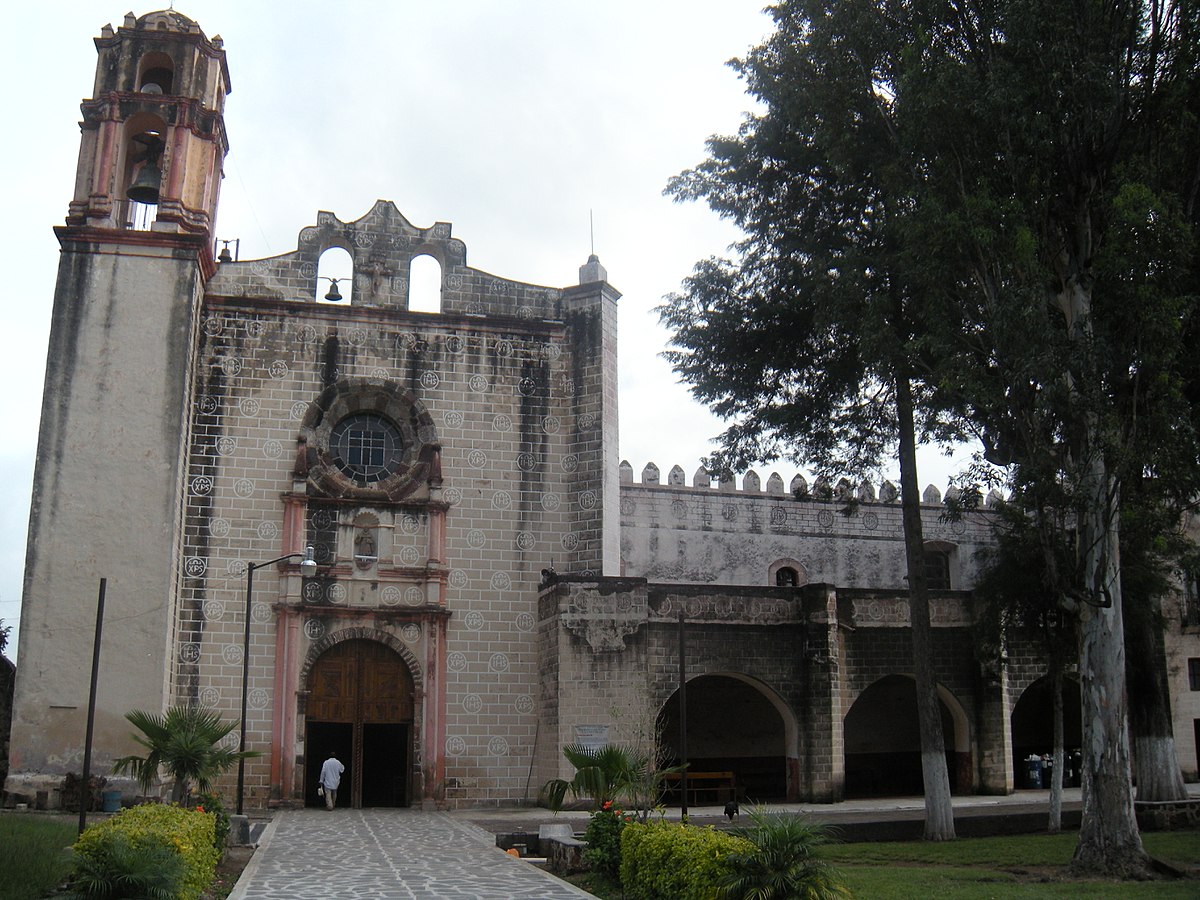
(514, 120)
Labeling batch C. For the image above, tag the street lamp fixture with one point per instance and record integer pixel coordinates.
(308, 568)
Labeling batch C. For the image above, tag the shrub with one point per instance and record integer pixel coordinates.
(187, 832)
(781, 862)
(666, 861)
(211, 803)
(117, 868)
(603, 838)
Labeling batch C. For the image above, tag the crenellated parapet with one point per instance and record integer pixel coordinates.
(746, 531)
(751, 485)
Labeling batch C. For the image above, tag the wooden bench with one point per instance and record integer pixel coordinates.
(703, 788)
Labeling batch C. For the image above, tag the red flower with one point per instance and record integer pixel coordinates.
(607, 804)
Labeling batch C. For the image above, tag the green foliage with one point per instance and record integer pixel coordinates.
(783, 863)
(211, 803)
(993, 204)
(185, 742)
(1023, 579)
(116, 867)
(605, 775)
(35, 857)
(667, 861)
(603, 836)
(187, 834)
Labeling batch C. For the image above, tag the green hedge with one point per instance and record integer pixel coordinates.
(188, 832)
(667, 861)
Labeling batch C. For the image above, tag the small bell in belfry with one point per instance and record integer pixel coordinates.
(144, 188)
(147, 177)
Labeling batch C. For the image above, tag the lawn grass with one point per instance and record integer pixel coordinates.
(34, 858)
(1034, 865)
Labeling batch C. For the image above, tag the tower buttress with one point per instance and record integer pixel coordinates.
(111, 467)
(590, 309)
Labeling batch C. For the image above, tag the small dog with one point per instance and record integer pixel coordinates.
(732, 810)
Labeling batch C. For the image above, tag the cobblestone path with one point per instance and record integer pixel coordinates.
(388, 853)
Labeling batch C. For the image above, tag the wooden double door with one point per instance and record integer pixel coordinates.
(360, 705)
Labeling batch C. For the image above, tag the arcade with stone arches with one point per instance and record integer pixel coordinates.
(735, 724)
(882, 741)
(794, 693)
(1032, 728)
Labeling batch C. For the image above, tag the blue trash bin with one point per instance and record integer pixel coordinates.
(1034, 772)
(110, 801)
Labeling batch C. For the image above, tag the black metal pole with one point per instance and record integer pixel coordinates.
(241, 786)
(85, 789)
(683, 748)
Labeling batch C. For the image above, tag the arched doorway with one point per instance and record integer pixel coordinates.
(360, 704)
(1032, 723)
(883, 742)
(733, 726)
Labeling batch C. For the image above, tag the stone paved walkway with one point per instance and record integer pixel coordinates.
(388, 853)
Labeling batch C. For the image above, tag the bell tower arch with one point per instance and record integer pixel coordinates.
(153, 135)
(136, 252)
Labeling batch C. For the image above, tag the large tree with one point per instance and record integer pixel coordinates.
(1064, 175)
(1018, 594)
(811, 340)
(986, 207)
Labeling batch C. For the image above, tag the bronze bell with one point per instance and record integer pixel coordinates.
(144, 188)
(334, 294)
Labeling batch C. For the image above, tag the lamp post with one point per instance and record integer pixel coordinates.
(308, 568)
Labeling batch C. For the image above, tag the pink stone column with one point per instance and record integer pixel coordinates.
(278, 733)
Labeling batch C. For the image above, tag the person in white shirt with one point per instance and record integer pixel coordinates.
(331, 777)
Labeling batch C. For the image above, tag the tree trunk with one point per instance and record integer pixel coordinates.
(1056, 771)
(1155, 762)
(939, 814)
(1109, 841)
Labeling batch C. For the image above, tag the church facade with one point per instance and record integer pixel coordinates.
(490, 581)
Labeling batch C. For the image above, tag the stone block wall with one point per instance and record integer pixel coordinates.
(708, 534)
(498, 386)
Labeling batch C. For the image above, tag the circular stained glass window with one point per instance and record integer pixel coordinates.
(366, 447)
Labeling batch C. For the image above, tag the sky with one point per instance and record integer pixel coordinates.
(541, 129)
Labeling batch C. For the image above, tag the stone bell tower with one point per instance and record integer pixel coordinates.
(136, 251)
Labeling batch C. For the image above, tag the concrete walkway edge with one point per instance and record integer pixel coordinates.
(239, 889)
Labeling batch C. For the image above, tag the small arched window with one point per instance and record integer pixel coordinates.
(157, 74)
(787, 572)
(938, 564)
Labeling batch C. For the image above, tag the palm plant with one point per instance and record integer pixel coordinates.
(783, 864)
(185, 741)
(606, 774)
(118, 869)
(601, 774)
